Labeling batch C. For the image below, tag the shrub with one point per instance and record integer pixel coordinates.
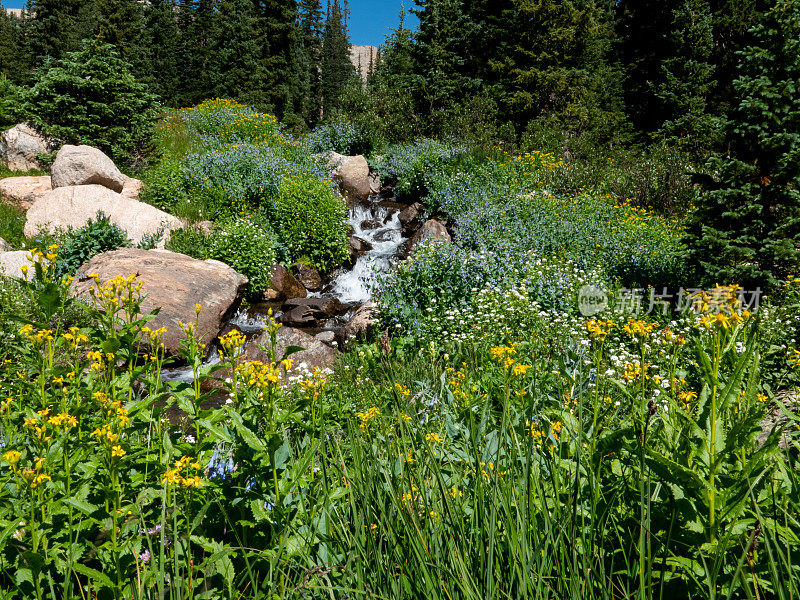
(79, 245)
(409, 166)
(189, 241)
(91, 97)
(247, 248)
(165, 185)
(311, 221)
(11, 102)
(12, 224)
(340, 135)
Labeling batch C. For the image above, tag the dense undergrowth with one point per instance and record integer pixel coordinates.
(494, 441)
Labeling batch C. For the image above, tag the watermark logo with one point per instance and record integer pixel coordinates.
(591, 300)
(641, 301)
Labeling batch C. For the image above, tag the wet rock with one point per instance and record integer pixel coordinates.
(432, 230)
(371, 224)
(360, 325)
(175, 283)
(315, 354)
(359, 245)
(73, 206)
(84, 165)
(21, 146)
(309, 277)
(4, 246)
(302, 316)
(384, 236)
(374, 183)
(326, 337)
(320, 307)
(285, 283)
(24, 191)
(411, 217)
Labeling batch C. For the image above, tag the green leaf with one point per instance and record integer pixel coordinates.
(101, 579)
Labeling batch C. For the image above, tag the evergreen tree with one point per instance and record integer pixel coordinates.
(279, 39)
(121, 26)
(311, 32)
(161, 44)
(747, 228)
(52, 28)
(336, 68)
(196, 24)
(445, 72)
(689, 81)
(560, 71)
(8, 50)
(236, 60)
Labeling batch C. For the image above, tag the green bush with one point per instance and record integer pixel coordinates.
(91, 97)
(79, 245)
(189, 241)
(165, 185)
(247, 247)
(12, 223)
(11, 101)
(311, 221)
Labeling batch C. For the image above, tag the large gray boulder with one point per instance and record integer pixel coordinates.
(73, 206)
(24, 191)
(352, 173)
(84, 165)
(432, 230)
(11, 264)
(21, 145)
(175, 283)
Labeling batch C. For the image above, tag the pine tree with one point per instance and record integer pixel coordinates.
(8, 51)
(689, 81)
(442, 55)
(311, 32)
(560, 71)
(236, 64)
(336, 69)
(121, 26)
(279, 39)
(52, 28)
(161, 43)
(196, 24)
(747, 228)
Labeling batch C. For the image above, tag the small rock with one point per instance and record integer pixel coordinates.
(84, 165)
(432, 230)
(24, 191)
(371, 224)
(4, 246)
(285, 283)
(359, 245)
(11, 264)
(205, 227)
(302, 316)
(320, 307)
(384, 236)
(271, 295)
(326, 337)
(359, 327)
(21, 145)
(316, 354)
(309, 277)
(374, 183)
(411, 217)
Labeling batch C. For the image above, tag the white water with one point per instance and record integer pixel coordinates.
(354, 286)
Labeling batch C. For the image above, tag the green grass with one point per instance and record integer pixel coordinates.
(12, 223)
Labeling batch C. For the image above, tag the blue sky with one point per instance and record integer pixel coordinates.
(370, 20)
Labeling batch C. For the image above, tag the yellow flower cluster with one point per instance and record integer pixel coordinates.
(367, 416)
(35, 477)
(263, 376)
(634, 371)
(598, 329)
(638, 329)
(74, 338)
(719, 308)
(38, 338)
(185, 473)
(504, 354)
(231, 343)
(402, 390)
(794, 357)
